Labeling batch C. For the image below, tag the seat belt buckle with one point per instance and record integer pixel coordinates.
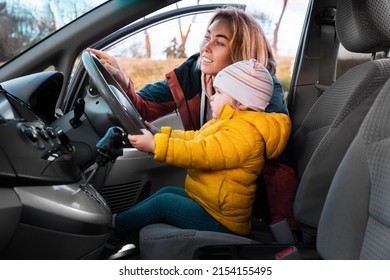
(291, 253)
(282, 232)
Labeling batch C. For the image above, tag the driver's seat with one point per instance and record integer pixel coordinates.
(346, 101)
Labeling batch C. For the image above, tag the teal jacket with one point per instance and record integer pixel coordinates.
(181, 90)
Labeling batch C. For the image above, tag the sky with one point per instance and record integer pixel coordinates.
(289, 33)
(291, 25)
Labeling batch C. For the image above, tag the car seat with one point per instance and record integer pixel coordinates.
(320, 142)
(327, 131)
(355, 221)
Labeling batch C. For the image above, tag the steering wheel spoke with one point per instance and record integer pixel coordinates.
(120, 104)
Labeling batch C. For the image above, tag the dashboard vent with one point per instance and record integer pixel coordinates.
(121, 197)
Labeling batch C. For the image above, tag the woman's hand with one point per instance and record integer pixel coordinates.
(143, 142)
(112, 66)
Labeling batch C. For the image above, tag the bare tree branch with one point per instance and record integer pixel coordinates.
(276, 31)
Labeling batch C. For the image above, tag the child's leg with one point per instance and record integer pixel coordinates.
(169, 205)
(169, 189)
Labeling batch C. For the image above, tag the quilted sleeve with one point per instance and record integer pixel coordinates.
(228, 147)
(187, 135)
(276, 133)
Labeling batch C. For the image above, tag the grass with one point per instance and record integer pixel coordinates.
(284, 71)
(144, 70)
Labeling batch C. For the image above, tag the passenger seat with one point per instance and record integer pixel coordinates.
(320, 142)
(355, 221)
(333, 121)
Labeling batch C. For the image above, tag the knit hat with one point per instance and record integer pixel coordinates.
(248, 82)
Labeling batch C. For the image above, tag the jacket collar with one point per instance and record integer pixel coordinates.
(227, 112)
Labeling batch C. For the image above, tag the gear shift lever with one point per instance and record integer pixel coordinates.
(79, 108)
(108, 149)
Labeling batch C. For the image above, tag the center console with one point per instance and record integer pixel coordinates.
(47, 210)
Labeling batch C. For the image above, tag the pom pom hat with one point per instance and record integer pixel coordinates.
(248, 82)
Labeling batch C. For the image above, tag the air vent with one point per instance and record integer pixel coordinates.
(121, 197)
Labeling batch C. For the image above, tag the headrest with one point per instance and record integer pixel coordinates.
(363, 26)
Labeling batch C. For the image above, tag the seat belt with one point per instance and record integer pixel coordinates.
(202, 108)
(329, 45)
(282, 232)
(290, 253)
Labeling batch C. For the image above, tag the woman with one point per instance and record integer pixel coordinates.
(231, 36)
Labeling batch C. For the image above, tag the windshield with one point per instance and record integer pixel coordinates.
(26, 22)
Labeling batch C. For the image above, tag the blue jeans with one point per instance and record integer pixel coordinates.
(170, 205)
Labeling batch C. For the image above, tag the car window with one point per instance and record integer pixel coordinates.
(148, 54)
(153, 51)
(26, 22)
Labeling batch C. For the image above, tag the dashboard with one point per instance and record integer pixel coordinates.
(31, 151)
(51, 212)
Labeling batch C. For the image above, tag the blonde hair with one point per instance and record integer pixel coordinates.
(248, 40)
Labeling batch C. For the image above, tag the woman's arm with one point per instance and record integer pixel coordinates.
(156, 99)
(153, 100)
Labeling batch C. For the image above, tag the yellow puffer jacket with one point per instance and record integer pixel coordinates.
(224, 158)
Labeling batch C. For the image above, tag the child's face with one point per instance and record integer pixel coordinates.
(217, 101)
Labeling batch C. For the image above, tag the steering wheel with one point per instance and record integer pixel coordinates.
(120, 104)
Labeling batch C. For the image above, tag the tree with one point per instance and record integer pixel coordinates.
(21, 28)
(183, 37)
(173, 50)
(180, 51)
(67, 10)
(6, 22)
(136, 50)
(148, 47)
(277, 26)
(264, 21)
(267, 24)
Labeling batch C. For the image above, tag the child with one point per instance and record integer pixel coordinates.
(223, 158)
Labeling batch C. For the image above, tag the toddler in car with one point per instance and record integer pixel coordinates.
(223, 158)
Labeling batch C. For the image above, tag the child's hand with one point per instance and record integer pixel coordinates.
(143, 142)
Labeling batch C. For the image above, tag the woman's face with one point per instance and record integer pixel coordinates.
(215, 49)
(217, 101)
